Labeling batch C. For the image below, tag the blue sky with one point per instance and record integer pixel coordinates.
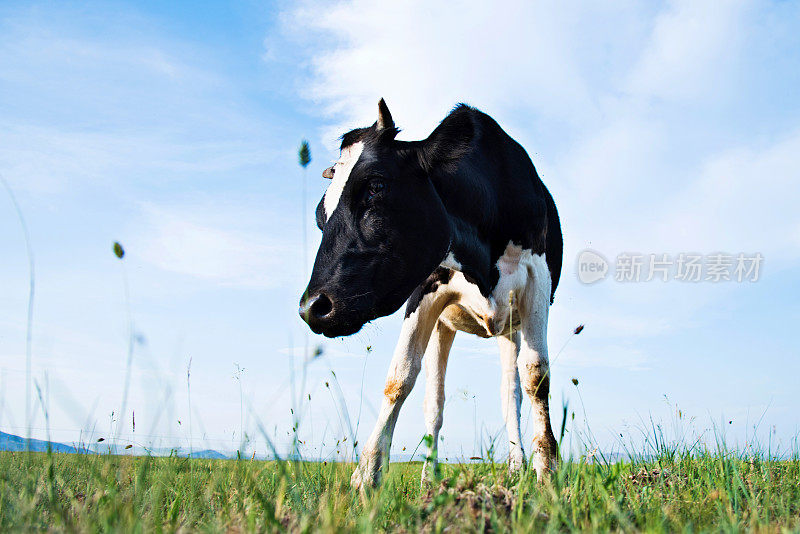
(173, 128)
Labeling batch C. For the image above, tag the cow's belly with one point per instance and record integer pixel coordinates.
(460, 318)
(469, 311)
(463, 319)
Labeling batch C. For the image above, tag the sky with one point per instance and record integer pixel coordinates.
(173, 128)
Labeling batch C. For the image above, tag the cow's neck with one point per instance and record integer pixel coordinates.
(468, 251)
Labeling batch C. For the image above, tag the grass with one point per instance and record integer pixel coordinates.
(685, 492)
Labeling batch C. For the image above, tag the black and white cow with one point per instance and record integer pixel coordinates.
(461, 227)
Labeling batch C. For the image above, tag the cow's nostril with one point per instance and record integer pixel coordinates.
(321, 306)
(316, 309)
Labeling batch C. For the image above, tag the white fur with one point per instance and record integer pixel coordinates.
(511, 398)
(533, 362)
(435, 365)
(514, 267)
(342, 168)
(523, 289)
(472, 303)
(450, 262)
(403, 371)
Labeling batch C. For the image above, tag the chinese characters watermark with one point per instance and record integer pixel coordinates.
(684, 267)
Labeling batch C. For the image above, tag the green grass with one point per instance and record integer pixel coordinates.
(715, 492)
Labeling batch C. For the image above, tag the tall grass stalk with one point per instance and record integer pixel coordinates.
(238, 377)
(189, 400)
(119, 252)
(31, 293)
(303, 158)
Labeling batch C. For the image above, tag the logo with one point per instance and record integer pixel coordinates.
(592, 267)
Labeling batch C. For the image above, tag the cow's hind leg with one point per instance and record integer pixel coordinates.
(403, 371)
(511, 398)
(435, 366)
(534, 366)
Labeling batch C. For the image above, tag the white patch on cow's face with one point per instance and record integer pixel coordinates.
(450, 262)
(342, 168)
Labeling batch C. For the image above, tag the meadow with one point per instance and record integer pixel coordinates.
(711, 491)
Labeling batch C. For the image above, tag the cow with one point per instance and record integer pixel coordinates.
(460, 227)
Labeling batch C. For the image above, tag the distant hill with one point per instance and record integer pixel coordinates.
(10, 442)
(209, 454)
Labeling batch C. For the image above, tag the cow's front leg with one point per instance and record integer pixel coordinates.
(511, 398)
(403, 372)
(435, 367)
(534, 368)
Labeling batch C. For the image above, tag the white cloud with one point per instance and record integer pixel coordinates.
(505, 57)
(215, 242)
(625, 172)
(48, 160)
(743, 200)
(615, 164)
(693, 50)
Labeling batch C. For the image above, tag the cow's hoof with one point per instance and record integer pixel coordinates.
(429, 474)
(516, 461)
(358, 480)
(544, 465)
(367, 473)
(544, 456)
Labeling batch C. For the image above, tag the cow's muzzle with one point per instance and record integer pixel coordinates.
(316, 310)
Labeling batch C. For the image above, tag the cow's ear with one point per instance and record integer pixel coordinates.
(384, 117)
(449, 142)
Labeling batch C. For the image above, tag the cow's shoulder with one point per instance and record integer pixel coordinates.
(438, 278)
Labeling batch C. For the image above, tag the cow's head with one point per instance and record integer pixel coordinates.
(384, 227)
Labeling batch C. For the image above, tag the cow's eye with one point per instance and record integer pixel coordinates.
(375, 186)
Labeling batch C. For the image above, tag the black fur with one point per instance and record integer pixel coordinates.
(352, 137)
(437, 278)
(469, 189)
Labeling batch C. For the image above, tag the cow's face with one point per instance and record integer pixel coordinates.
(384, 230)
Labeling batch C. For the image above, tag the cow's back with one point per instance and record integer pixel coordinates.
(497, 188)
